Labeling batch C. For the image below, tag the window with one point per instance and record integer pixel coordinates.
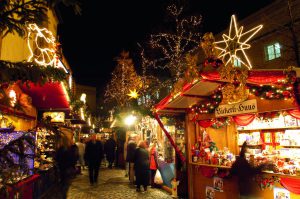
(273, 51)
(237, 63)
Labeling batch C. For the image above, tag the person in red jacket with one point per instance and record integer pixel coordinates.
(153, 162)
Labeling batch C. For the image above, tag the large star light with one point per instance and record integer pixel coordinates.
(236, 44)
(133, 94)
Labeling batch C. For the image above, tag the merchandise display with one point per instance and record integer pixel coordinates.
(16, 156)
(45, 149)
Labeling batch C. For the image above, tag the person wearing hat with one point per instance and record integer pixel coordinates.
(93, 156)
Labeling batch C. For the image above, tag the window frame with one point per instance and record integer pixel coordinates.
(275, 54)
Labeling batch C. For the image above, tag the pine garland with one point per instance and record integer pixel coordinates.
(15, 15)
(26, 72)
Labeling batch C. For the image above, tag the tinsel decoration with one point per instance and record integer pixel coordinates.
(234, 94)
(208, 45)
(192, 72)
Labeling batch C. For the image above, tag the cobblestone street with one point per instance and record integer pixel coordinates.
(112, 184)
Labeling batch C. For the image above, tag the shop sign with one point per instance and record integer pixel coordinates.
(55, 116)
(249, 106)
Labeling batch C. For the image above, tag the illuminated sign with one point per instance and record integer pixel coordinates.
(55, 116)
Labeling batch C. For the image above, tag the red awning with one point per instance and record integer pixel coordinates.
(50, 96)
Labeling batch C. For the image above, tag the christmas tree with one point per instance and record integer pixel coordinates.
(124, 80)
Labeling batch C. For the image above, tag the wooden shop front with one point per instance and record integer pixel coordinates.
(214, 136)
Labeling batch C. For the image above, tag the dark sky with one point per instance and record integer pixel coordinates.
(91, 41)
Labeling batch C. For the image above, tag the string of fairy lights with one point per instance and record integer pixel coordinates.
(173, 46)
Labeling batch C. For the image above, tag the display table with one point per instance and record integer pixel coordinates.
(47, 179)
(23, 189)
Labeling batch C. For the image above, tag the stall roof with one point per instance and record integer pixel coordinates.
(50, 96)
(210, 81)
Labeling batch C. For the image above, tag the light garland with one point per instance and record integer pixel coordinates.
(234, 44)
(272, 92)
(174, 46)
(207, 106)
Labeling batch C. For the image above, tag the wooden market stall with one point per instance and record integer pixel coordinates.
(223, 127)
(226, 103)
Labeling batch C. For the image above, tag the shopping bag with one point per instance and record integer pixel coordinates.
(157, 178)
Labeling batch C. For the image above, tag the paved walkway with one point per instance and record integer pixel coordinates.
(111, 185)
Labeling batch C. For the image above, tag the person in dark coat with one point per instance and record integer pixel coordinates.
(246, 173)
(130, 151)
(110, 150)
(93, 156)
(142, 166)
(65, 163)
(74, 157)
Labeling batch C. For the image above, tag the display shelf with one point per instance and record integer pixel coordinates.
(252, 145)
(210, 165)
(286, 146)
(281, 128)
(281, 174)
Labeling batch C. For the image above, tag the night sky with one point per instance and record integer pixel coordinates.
(92, 40)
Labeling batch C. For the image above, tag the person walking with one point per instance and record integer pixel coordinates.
(81, 149)
(153, 162)
(131, 147)
(64, 160)
(93, 156)
(142, 166)
(246, 173)
(110, 150)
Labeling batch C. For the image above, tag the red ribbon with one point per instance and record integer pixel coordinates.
(170, 138)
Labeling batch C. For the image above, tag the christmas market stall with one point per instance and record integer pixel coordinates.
(17, 143)
(224, 106)
(168, 163)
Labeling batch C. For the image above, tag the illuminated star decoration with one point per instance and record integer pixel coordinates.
(133, 94)
(236, 41)
(43, 48)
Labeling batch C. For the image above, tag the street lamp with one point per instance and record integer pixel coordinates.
(129, 120)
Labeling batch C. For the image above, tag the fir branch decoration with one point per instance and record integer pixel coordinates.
(11, 72)
(15, 15)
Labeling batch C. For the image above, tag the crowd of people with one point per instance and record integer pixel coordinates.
(141, 162)
(72, 158)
